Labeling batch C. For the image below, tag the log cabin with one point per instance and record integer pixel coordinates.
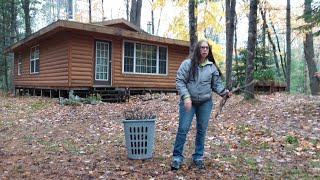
(110, 57)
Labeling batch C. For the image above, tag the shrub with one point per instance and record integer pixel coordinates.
(264, 74)
(93, 99)
(73, 100)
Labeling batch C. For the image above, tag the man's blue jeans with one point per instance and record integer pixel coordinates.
(202, 111)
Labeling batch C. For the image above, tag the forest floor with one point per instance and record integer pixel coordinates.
(275, 136)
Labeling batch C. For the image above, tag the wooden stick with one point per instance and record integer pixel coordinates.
(225, 98)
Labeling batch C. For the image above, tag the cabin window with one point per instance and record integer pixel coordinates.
(144, 58)
(102, 60)
(34, 60)
(128, 57)
(19, 64)
(162, 60)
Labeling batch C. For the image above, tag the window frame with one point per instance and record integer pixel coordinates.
(19, 63)
(34, 60)
(135, 58)
(107, 63)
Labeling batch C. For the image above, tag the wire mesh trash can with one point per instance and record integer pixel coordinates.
(139, 136)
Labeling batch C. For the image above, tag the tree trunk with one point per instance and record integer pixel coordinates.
(135, 13)
(127, 9)
(252, 38)
(4, 6)
(53, 12)
(192, 25)
(159, 22)
(57, 9)
(279, 50)
(235, 43)
(274, 51)
(90, 18)
(13, 35)
(263, 12)
(230, 14)
(26, 10)
(152, 21)
(309, 55)
(102, 3)
(288, 39)
(312, 68)
(13, 14)
(305, 77)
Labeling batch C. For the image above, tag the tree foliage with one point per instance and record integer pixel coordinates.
(312, 18)
(209, 24)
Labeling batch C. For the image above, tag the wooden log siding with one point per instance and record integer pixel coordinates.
(82, 60)
(116, 64)
(53, 63)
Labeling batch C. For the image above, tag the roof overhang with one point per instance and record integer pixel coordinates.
(119, 22)
(96, 28)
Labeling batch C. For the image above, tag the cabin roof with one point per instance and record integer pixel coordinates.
(121, 23)
(119, 27)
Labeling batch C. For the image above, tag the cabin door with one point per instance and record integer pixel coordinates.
(102, 72)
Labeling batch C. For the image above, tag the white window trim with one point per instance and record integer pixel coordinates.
(35, 59)
(95, 58)
(134, 58)
(19, 63)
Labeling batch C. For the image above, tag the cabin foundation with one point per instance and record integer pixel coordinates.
(108, 94)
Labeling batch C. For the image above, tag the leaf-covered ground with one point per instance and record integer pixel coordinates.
(273, 137)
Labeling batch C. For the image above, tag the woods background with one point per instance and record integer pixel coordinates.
(251, 40)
